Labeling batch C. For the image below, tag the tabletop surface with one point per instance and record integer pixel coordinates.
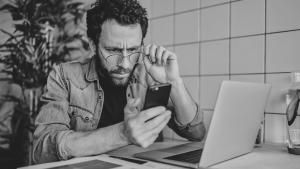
(267, 156)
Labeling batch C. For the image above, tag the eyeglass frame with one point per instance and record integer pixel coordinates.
(121, 56)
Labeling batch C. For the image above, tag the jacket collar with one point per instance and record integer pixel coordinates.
(91, 72)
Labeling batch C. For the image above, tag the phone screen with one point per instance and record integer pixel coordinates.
(157, 95)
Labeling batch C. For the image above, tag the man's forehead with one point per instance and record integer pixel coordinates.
(114, 33)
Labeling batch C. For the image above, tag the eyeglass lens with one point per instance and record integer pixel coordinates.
(117, 58)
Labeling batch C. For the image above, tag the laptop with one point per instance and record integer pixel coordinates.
(233, 129)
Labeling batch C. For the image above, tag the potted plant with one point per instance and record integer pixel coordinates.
(39, 41)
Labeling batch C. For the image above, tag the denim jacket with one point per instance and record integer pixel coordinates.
(73, 101)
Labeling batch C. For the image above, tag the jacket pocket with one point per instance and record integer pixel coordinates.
(81, 119)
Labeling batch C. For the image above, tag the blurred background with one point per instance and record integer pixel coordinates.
(215, 40)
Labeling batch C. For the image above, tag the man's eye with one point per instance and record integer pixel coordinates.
(114, 50)
(132, 50)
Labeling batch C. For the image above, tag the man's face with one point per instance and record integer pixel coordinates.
(118, 40)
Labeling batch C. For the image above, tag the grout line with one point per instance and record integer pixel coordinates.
(233, 74)
(265, 113)
(279, 114)
(229, 50)
(230, 38)
(207, 109)
(191, 10)
(265, 44)
(238, 74)
(265, 68)
(174, 34)
(200, 55)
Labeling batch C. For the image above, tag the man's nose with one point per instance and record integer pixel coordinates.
(124, 62)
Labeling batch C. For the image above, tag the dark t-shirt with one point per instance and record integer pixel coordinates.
(114, 103)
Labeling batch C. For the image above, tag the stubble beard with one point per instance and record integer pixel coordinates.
(122, 82)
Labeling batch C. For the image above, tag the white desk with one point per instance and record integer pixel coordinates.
(269, 156)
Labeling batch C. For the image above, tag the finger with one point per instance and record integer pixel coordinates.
(159, 52)
(152, 53)
(150, 113)
(130, 108)
(147, 63)
(148, 137)
(156, 121)
(146, 49)
(165, 57)
(147, 140)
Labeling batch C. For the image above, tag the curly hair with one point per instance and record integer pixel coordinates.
(125, 12)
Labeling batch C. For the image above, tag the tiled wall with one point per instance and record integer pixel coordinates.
(245, 40)
(215, 40)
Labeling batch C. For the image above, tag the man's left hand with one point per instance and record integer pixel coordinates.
(161, 64)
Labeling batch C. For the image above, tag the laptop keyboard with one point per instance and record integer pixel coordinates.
(188, 157)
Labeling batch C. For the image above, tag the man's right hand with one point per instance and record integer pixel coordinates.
(142, 128)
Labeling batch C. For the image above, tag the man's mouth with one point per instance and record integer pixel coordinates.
(120, 75)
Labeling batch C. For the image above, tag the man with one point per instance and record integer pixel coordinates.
(96, 106)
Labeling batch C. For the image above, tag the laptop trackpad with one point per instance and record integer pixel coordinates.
(188, 157)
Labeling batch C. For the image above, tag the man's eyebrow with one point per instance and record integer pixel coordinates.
(133, 47)
(118, 48)
(113, 48)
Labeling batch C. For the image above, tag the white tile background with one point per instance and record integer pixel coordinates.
(245, 40)
(215, 40)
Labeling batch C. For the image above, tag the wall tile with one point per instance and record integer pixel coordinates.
(162, 30)
(275, 127)
(188, 59)
(170, 48)
(214, 22)
(209, 88)
(207, 116)
(148, 38)
(244, 21)
(283, 15)
(161, 8)
(247, 55)
(283, 52)
(181, 5)
(214, 58)
(148, 5)
(187, 27)
(248, 78)
(206, 3)
(192, 85)
(277, 98)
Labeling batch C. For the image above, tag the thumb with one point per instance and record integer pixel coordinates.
(131, 107)
(147, 62)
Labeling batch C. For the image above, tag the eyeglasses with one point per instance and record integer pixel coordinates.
(117, 56)
(292, 109)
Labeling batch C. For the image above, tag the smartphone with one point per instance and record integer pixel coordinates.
(157, 95)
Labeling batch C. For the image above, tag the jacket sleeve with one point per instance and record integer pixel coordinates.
(193, 131)
(52, 122)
